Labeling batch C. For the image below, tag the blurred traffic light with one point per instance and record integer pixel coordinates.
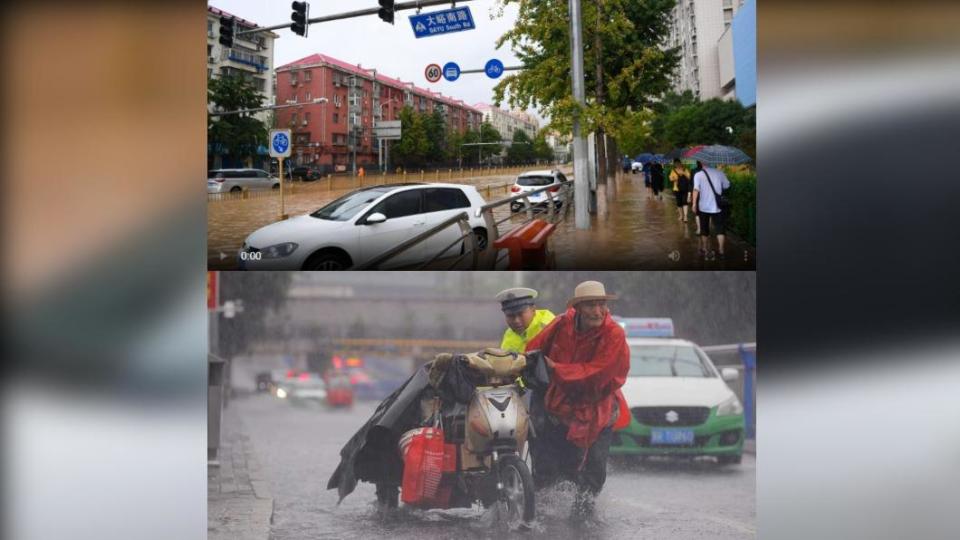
(300, 16)
(386, 11)
(227, 27)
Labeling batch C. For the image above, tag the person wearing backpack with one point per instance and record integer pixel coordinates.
(710, 202)
(680, 178)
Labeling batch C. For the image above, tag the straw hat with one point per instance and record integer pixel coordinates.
(589, 290)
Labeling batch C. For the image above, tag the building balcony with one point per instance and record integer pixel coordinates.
(240, 58)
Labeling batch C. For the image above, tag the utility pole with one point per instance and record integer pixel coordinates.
(581, 185)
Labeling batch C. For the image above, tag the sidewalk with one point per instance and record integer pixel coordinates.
(239, 502)
(639, 233)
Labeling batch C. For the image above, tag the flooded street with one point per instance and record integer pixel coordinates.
(229, 222)
(637, 232)
(641, 233)
(299, 449)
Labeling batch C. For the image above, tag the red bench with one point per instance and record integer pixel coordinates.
(527, 245)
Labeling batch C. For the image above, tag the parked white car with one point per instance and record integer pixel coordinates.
(237, 180)
(532, 180)
(364, 224)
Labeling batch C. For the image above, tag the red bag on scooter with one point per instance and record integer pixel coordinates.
(422, 465)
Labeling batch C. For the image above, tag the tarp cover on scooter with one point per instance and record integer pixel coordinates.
(371, 454)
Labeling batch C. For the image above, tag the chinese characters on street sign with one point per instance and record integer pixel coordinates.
(442, 22)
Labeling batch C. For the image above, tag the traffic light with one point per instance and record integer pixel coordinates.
(386, 11)
(300, 16)
(227, 26)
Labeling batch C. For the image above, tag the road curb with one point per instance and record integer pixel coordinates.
(750, 447)
(240, 503)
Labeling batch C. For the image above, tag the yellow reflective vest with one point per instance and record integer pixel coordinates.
(514, 342)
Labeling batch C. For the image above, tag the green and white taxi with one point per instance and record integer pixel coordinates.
(680, 404)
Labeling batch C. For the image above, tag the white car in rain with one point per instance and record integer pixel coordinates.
(364, 224)
(237, 180)
(679, 402)
(532, 180)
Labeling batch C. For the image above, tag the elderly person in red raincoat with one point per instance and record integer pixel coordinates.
(587, 354)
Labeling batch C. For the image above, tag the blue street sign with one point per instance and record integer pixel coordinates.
(442, 22)
(451, 71)
(280, 143)
(494, 68)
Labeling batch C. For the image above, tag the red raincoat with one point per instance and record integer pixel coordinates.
(590, 368)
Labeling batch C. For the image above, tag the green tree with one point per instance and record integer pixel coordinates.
(715, 121)
(236, 136)
(625, 64)
(436, 129)
(635, 132)
(489, 134)
(542, 150)
(414, 145)
(521, 149)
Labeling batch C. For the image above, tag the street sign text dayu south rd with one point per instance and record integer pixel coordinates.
(442, 22)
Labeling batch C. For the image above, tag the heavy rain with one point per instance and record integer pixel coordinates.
(276, 443)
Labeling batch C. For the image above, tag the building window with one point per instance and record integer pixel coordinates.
(336, 118)
(306, 118)
(308, 96)
(293, 118)
(307, 75)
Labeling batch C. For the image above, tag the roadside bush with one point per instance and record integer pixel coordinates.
(743, 205)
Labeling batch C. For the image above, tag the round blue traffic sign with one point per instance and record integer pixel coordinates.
(451, 71)
(494, 68)
(280, 143)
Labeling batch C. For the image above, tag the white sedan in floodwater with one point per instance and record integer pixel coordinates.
(364, 224)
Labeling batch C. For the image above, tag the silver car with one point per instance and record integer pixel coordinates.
(532, 180)
(237, 180)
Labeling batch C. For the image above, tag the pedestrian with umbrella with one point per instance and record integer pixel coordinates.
(709, 193)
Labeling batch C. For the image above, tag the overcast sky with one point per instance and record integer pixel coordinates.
(393, 50)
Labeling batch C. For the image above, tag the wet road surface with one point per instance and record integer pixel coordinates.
(298, 448)
(641, 233)
(637, 232)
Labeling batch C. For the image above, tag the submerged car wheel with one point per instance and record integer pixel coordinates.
(730, 460)
(236, 189)
(329, 260)
(518, 495)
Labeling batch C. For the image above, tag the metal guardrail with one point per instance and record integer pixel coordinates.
(532, 211)
(462, 220)
(492, 226)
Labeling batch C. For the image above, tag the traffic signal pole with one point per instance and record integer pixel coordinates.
(581, 184)
(399, 6)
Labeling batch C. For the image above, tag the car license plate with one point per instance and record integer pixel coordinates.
(671, 436)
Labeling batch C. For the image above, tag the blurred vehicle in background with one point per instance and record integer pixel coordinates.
(264, 381)
(679, 403)
(305, 174)
(308, 391)
(237, 180)
(339, 390)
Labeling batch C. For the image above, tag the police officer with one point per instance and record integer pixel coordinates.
(524, 320)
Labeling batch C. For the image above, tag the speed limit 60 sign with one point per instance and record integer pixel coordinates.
(433, 73)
